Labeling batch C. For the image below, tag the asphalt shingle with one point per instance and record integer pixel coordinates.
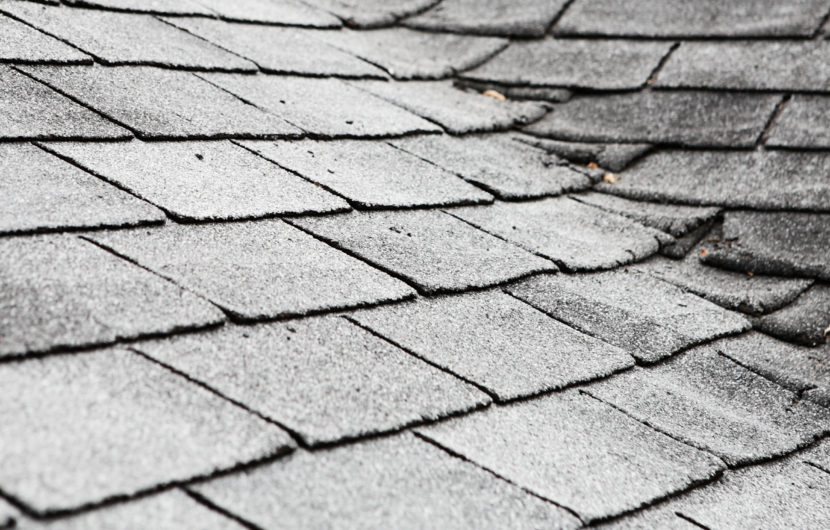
(39, 192)
(555, 95)
(323, 107)
(572, 63)
(676, 117)
(614, 157)
(661, 517)
(20, 43)
(372, 13)
(64, 416)
(508, 18)
(576, 236)
(8, 514)
(62, 292)
(400, 482)
(577, 452)
(324, 379)
(158, 7)
(371, 174)
(257, 270)
(283, 12)
(803, 123)
(201, 181)
(647, 317)
(434, 251)
(495, 341)
(805, 321)
(162, 104)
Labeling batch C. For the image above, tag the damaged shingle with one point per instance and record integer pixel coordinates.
(805, 321)
(20, 43)
(614, 157)
(283, 12)
(803, 123)
(372, 13)
(508, 18)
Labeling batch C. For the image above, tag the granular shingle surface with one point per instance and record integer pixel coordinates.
(282, 12)
(372, 13)
(400, 482)
(518, 18)
(615, 157)
(257, 270)
(159, 7)
(805, 321)
(149, 426)
(803, 123)
(22, 43)
(324, 379)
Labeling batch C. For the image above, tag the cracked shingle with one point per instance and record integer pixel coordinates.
(83, 428)
(372, 13)
(805, 321)
(20, 43)
(614, 157)
(433, 250)
(803, 123)
(283, 12)
(508, 18)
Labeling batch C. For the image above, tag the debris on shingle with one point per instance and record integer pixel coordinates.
(495, 341)
(372, 13)
(507, 18)
(577, 452)
(704, 18)
(408, 54)
(61, 292)
(709, 402)
(676, 117)
(457, 111)
(554, 95)
(803, 123)
(371, 174)
(434, 251)
(323, 107)
(156, 7)
(279, 50)
(576, 236)
(39, 192)
(282, 12)
(124, 38)
(497, 163)
(571, 63)
(615, 157)
(257, 270)
(20, 43)
(649, 318)
(401, 482)
(201, 181)
(162, 104)
(805, 321)
(324, 379)
(66, 416)
(764, 180)
(774, 243)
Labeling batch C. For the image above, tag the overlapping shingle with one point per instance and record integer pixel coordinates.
(372, 13)
(158, 7)
(20, 43)
(805, 321)
(803, 123)
(614, 157)
(522, 18)
(8, 515)
(283, 12)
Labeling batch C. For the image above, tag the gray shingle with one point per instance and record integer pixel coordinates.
(495, 341)
(572, 63)
(20, 43)
(457, 111)
(201, 181)
(323, 378)
(614, 157)
(257, 270)
(61, 292)
(8, 515)
(402, 482)
(497, 163)
(649, 318)
(518, 18)
(323, 107)
(688, 118)
(79, 429)
(577, 452)
(283, 12)
(122, 38)
(373, 13)
(40, 192)
(805, 321)
(159, 7)
(711, 403)
(804, 122)
(434, 251)
(659, 517)
(371, 174)
(764, 180)
(576, 236)
(163, 104)
(408, 54)
(279, 50)
(680, 18)
(555, 95)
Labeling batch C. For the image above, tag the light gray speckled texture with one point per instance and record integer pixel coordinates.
(371, 174)
(325, 379)
(401, 482)
(163, 104)
(257, 270)
(159, 7)
(577, 452)
(122, 38)
(576, 236)
(498, 164)
(676, 117)
(372, 13)
(8, 515)
(573, 63)
(709, 402)
(615, 157)
(508, 18)
(408, 54)
(649, 318)
(805, 321)
(457, 111)
(554, 95)
(82, 428)
(40, 192)
(20, 43)
(61, 292)
(323, 107)
(804, 122)
(283, 12)
(661, 517)
(201, 181)
(495, 341)
(434, 251)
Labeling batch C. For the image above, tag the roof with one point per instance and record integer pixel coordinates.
(469, 264)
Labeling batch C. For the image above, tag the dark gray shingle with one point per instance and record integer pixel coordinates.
(805, 321)
(20, 43)
(614, 157)
(516, 18)
(803, 123)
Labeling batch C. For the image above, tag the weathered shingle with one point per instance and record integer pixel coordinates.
(20, 43)
(159, 7)
(283, 12)
(614, 157)
(805, 321)
(803, 123)
(517, 18)
(372, 13)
